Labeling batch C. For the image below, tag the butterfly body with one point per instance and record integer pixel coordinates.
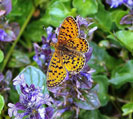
(69, 53)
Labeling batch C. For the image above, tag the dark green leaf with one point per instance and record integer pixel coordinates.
(95, 114)
(122, 74)
(86, 7)
(20, 10)
(35, 31)
(117, 16)
(127, 108)
(1, 103)
(103, 18)
(57, 11)
(19, 59)
(103, 88)
(34, 76)
(101, 60)
(1, 56)
(91, 101)
(125, 37)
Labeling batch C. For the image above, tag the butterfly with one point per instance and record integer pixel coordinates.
(69, 53)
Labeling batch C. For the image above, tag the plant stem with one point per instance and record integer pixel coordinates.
(118, 99)
(17, 39)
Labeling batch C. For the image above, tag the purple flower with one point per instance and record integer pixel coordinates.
(31, 103)
(73, 88)
(84, 26)
(116, 3)
(43, 53)
(3, 35)
(5, 81)
(129, 3)
(6, 5)
(8, 32)
(75, 85)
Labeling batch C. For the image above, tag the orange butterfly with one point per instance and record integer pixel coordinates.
(69, 53)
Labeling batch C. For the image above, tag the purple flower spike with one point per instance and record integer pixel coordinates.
(32, 103)
(4, 82)
(76, 84)
(3, 35)
(8, 32)
(1, 77)
(88, 54)
(129, 3)
(6, 6)
(82, 21)
(115, 3)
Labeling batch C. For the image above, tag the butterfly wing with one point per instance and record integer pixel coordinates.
(78, 44)
(68, 31)
(73, 61)
(69, 36)
(56, 72)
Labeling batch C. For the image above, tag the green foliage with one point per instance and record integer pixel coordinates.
(122, 74)
(117, 16)
(34, 76)
(125, 38)
(1, 56)
(95, 114)
(86, 7)
(111, 57)
(1, 103)
(19, 59)
(101, 59)
(127, 108)
(20, 10)
(36, 29)
(102, 80)
(103, 18)
(57, 11)
(91, 100)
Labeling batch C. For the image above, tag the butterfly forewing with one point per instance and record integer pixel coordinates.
(68, 31)
(69, 36)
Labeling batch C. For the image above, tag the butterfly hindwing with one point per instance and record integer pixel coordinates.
(56, 72)
(78, 44)
(73, 61)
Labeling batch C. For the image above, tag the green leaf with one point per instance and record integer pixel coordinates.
(101, 59)
(127, 108)
(125, 37)
(1, 103)
(34, 76)
(20, 10)
(18, 59)
(95, 114)
(1, 56)
(122, 74)
(102, 80)
(91, 101)
(57, 11)
(86, 7)
(36, 29)
(103, 18)
(117, 16)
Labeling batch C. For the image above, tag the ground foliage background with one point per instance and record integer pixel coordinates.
(111, 58)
